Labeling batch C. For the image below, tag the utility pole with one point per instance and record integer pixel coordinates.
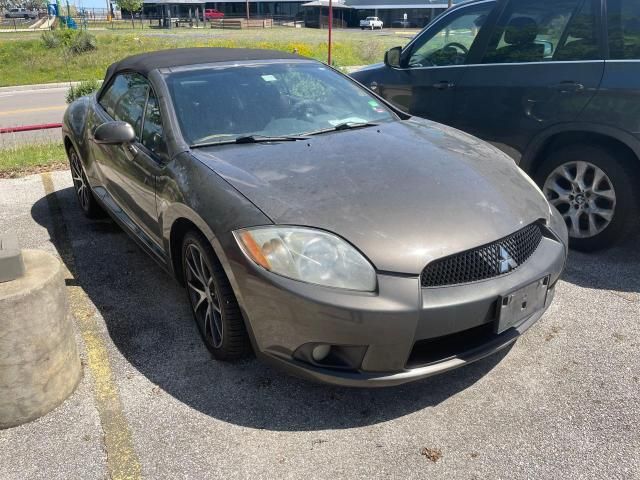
(330, 27)
(247, 3)
(450, 3)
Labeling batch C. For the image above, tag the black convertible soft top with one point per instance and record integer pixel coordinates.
(178, 57)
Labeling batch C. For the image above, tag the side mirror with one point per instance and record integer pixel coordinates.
(392, 57)
(114, 133)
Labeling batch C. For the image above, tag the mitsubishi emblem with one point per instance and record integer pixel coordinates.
(506, 261)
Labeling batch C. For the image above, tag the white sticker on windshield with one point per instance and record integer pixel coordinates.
(268, 78)
(347, 120)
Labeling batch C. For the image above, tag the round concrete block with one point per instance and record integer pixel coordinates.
(39, 363)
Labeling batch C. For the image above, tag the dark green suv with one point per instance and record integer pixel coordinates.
(554, 83)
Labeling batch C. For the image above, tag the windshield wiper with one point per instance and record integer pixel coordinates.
(252, 139)
(344, 126)
(266, 138)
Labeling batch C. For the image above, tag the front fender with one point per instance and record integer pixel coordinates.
(193, 192)
(74, 125)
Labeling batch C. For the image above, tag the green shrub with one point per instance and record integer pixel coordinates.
(51, 40)
(83, 42)
(83, 88)
(76, 41)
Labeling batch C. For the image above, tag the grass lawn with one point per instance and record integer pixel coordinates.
(25, 60)
(27, 159)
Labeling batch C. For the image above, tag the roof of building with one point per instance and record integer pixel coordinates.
(325, 3)
(179, 57)
(174, 2)
(398, 4)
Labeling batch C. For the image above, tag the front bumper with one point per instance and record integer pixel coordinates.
(389, 326)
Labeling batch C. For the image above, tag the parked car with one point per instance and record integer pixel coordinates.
(212, 14)
(551, 82)
(344, 240)
(20, 13)
(371, 22)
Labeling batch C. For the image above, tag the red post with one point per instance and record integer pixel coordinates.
(330, 27)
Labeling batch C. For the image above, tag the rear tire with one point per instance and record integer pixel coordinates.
(84, 194)
(213, 303)
(593, 188)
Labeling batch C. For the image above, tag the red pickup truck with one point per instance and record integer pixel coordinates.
(212, 14)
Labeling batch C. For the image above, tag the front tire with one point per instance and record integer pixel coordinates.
(213, 303)
(84, 195)
(593, 189)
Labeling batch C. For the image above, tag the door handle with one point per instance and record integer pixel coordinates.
(132, 149)
(444, 85)
(569, 87)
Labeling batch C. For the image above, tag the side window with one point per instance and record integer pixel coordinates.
(544, 30)
(451, 44)
(624, 29)
(580, 41)
(152, 133)
(125, 99)
(111, 96)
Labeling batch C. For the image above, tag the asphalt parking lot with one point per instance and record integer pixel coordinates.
(562, 403)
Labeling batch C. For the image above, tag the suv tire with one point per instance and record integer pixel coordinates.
(613, 197)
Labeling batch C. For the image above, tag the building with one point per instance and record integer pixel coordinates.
(347, 13)
(399, 13)
(231, 8)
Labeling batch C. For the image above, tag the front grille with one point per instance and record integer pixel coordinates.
(484, 262)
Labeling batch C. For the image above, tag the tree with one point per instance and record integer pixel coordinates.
(36, 4)
(5, 5)
(131, 6)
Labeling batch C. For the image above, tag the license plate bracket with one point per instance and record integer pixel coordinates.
(520, 304)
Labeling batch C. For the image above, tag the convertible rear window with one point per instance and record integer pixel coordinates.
(276, 99)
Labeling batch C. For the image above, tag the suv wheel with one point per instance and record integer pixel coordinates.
(593, 190)
(213, 303)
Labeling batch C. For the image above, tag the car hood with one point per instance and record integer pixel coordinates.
(404, 193)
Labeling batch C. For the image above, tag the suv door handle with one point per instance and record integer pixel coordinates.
(444, 85)
(569, 86)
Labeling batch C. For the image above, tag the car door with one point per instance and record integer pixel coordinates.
(129, 171)
(433, 62)
(542, 64)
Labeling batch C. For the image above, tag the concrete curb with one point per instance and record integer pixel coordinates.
(40, 86)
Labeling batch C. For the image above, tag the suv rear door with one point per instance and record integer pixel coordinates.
(618, 101)
(542, 64)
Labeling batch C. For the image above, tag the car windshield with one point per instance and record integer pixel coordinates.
(268, 100)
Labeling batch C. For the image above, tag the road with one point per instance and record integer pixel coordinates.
(561, 403)
(29, 107)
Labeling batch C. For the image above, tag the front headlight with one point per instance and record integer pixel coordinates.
(308, 255)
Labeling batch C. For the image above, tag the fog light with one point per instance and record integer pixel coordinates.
(320, 352)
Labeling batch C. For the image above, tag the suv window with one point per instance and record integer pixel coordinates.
(451, 44)
(152, 133)
(544, 30)
(624, 29)
(125, 99)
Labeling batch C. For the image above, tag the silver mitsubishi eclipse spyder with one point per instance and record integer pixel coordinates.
(310, 221)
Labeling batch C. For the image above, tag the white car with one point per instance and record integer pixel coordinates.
(371, 22)
(20, 13)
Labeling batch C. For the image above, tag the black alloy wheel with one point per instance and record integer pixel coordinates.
(85, 197)
(213, 303)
